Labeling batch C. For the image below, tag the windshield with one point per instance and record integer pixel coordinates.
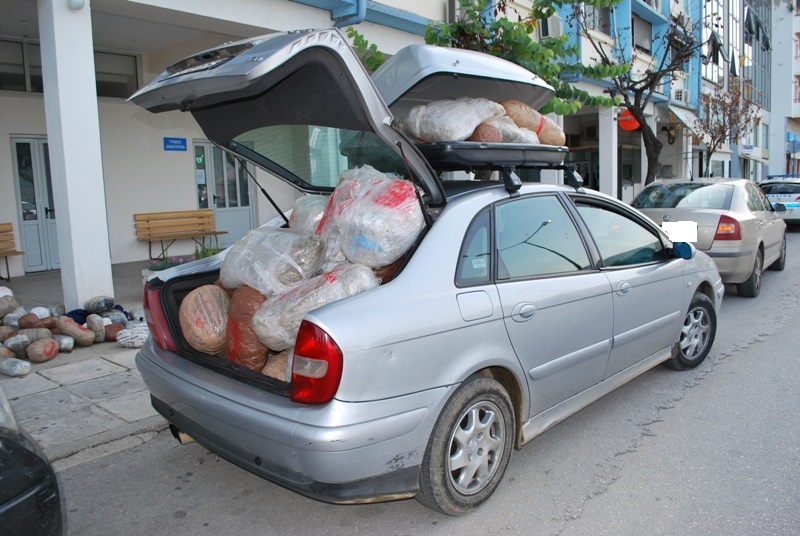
(685, 195)
(313, 156)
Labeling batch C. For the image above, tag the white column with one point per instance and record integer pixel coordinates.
(609, 150)
(73, 132)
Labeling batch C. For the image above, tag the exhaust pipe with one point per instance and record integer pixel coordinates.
(182, 437)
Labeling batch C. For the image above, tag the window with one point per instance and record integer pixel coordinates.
(475, 258)
(598, 18)
(620, 240)
(116, 75)
(642, 35)
(536, 236)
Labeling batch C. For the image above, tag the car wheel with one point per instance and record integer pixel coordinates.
(697, 334)
(469, 448)
(780, 264)
(752, 286)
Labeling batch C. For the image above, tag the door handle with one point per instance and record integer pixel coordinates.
(623, 288)
(48, 211)
(522, 312)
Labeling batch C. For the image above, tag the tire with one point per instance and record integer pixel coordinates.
(751, 287)
(697, 334)
(780, 263)
(469, 449)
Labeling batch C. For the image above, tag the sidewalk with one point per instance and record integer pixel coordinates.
(88, 403)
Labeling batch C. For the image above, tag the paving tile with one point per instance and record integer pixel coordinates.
(79, 424)
(112, 386)
(26, 385)
(46, 405)
(81, 371)
(124, 357)
(131, 407)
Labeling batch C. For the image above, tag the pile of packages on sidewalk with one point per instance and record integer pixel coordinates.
(39, 335)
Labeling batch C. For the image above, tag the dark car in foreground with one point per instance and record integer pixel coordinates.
(736, 224)
(30, 498)
(516, 305)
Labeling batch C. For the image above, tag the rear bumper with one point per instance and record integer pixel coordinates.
(734, 265)
(340, 452)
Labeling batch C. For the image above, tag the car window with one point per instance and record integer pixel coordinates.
(475, 259)
(620, 240)
(781, 189)
(764, 201)
(754, 201)
(536, 236)
(685, 195)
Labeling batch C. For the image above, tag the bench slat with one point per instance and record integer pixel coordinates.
(175, 225)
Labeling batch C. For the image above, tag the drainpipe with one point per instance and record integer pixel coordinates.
(359, 16)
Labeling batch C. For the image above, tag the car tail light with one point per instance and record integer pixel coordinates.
(316, 366)
(728, 229)
(157, 320)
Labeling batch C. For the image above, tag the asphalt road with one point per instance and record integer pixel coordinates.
(715, 450)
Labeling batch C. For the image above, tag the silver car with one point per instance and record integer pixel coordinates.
(520, 303)
(736, 224)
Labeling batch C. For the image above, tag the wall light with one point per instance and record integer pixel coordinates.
(75, 4)
(672, 133)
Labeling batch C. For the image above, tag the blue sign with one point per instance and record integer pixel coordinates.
(174, 144)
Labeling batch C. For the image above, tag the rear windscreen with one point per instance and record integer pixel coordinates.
(781, 189)
(685, 195)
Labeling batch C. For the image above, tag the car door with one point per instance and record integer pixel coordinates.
(647, 287)
(556, 307)
(771, 225)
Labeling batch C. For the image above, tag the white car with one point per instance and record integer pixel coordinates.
(784, 189)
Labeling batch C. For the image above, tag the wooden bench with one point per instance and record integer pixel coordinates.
(7, 248)
(167, 227)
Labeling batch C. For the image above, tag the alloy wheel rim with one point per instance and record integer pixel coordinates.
(476, 448)
(694, 333)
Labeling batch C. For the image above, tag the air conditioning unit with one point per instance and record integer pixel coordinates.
(550, 27)
(679, 75)
(681, 95)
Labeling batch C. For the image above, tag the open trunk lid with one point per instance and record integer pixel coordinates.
(302, 106)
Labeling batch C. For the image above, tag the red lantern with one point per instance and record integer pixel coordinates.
(627, 121)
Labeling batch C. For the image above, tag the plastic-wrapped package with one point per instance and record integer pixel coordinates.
(272, 260)
(512, 133)
(350, 186)
(279, 366)
(448, 120)
(203, 316)
(370, 219)
(277, 322)
(526, 117)
(242, 346)
(307, 213)
(381, 226)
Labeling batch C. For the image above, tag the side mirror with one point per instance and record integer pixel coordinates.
(780, 207)
(683, 250)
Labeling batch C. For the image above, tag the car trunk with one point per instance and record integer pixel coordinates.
(278, 101)
(707, 221)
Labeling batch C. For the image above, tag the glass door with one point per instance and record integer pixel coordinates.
(35, 208)
(223, 185)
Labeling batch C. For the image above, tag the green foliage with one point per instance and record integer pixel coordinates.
(485, 31)
(201, 252)
(370, 55)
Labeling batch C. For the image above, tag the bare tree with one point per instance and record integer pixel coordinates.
(726, 116)
(634, 88)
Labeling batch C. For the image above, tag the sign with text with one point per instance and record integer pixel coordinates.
(174, 144)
